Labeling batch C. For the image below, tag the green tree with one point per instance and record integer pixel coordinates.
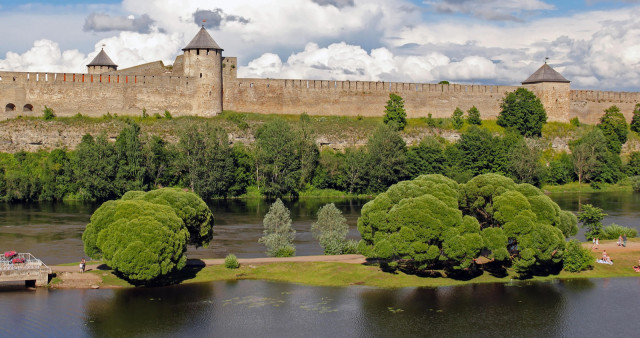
(331, 230)
(243, 161)
(354, 169)
(160, 162)
(395, 114)
(591, 218)
(473, 116)
(95, 168)
(457, 118)
(130, 158)
(524, 163)
(633, 166)
(443, 82)
(308, 151)
(140, 240)
(278, 235)
(561, 170)
(386, 158)
(207, 160)
(577, 258)
(433, 222)
(614, 128)
(277, 159)
(426, 158)
(480, 152)
(522, 111)
(189, 207)
(635, 120)
(593, 161)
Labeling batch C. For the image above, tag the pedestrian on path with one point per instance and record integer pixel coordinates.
(624, 240)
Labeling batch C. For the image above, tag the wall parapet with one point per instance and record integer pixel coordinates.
(38, 78)
(370, 86)
(609, 96)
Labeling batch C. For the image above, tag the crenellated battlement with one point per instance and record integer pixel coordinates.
(37, 78)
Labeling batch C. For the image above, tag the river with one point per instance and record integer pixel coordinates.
(52, 231)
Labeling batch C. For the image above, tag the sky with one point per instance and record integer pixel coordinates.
(594, 43)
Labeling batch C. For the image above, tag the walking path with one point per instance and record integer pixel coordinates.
(351, 259)
(612, 246)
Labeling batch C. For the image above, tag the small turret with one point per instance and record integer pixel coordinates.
(203, 62)
(102, 63)
(553, 90)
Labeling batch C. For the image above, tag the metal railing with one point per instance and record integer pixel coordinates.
(30, 263)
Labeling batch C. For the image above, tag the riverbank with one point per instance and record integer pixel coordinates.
(575, 187)
(338, 271)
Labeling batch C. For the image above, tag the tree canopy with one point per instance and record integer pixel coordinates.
(144, 236)
(278, 233)
(432, 221)
(522, 111)
(614, 128)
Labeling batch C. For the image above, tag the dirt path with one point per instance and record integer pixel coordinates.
(351, 259)
(612, 246)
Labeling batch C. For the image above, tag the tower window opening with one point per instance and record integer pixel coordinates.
(197, 52)
(201, 75)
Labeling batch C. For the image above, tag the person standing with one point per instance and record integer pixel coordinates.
(83, 264)
(619, 240)
(624, 240)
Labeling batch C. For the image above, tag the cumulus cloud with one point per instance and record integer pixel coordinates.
(497, 10)
(341, 61)
(97, 22)
(214, 18)
(45, 56)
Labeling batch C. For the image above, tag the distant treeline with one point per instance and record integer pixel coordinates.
(284, 162)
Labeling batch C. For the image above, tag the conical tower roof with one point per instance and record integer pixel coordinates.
(545, 74)
(102, 59)
(202, 40)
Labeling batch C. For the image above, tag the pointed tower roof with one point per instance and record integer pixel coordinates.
(102, 59)
(545, 74)
(202, 40)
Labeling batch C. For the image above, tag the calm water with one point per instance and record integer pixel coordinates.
(584, 308)
(53, 231)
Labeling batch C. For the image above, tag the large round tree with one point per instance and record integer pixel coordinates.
(144, 236)
(433, 222)
(523, 111)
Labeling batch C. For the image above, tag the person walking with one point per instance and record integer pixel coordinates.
(83, 264)
(624, 240)
(619, 240)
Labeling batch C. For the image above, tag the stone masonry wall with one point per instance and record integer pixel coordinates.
(352, 98)
(589, 105)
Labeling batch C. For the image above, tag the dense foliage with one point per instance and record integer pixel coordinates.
(577, 258)
(614, 128)
(635, 120)
(432, 221)
(285, 160)
(231, 262)
(331, 230)
(145, 238)
(395, 115)
(591, 218)
(522, 111)
(457, 118)
(278, 234)
(614, 231)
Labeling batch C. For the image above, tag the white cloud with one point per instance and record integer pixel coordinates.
(498, 10)
(45, 56)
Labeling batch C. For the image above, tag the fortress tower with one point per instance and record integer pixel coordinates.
(203, 63)
(102, 63)
(553, 90)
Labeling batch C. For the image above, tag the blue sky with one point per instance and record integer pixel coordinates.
(593, 43)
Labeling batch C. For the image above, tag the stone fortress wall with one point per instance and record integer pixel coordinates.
(202, 82)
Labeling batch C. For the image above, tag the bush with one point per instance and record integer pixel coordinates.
(591, 218)
(48, 113)
(231, 262)
(167, 115)
(278, 234)
(575, 122)
(614, 231)
(577, 258)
